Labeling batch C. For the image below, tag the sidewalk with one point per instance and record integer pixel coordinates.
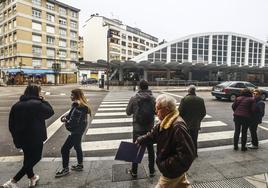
(213, 168)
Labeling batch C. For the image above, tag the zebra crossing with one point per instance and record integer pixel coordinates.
(111, 125)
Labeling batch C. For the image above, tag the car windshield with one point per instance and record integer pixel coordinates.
(224, 84)
(249, 85)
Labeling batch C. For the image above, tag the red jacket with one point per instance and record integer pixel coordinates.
(244, 106)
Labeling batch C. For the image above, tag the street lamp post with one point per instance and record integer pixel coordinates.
(109, 35)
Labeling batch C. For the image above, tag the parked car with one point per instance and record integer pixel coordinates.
(89, 81)
(232, 89)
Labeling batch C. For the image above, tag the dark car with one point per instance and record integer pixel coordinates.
(89, 81)
(232, 89)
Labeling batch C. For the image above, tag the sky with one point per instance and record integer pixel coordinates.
(171, 19)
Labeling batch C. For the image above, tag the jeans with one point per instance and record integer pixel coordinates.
(194, 135)
(253, 131)
(73, 140)
(151, 156)
(32, 155)
(244, 123)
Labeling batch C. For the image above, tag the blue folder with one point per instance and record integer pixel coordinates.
(130, 152)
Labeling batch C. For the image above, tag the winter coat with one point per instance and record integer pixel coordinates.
(175, 148)
(132, 108)
(76, 120)
(259, 110)
(27, 121)
(244, 107)
(192, 109)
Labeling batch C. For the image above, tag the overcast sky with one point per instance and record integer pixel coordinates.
(172, 19)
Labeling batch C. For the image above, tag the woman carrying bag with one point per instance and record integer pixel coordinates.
(75, 123)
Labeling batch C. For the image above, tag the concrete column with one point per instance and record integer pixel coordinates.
(210, 50)
(246, 53)
(120, 74)
(168, 74)
(262, 56)
(145, 74)
(190, 75)
(229, 50)
(190, 48)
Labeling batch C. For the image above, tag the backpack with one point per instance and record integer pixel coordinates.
(145, 111)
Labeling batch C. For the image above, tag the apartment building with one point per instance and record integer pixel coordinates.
(123, 42)
(38, 41)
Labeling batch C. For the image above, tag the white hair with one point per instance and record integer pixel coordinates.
(166, 101)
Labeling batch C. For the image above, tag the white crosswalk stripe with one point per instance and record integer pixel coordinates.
(114, 123)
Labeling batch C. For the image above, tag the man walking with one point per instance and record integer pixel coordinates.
(142, 106)
(175, 148)
(192, 109)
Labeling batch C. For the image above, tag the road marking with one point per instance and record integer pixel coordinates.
(117, 120)
(102, 145)
(54, 127)
(208, 116)
(113, 105)
(111, 109)
(47, 93)
(111, 114)
(212, 124)
(203, 137)
(262, 127)
(113, 102)
(115, 99)
(109, 130)
(63, 94)
(172, 94)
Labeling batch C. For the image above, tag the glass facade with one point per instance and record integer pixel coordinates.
(200, 49)
(159, 55)
(238, 50)
(254, 53)
(180, 51)
(219, 49)
(266, 57)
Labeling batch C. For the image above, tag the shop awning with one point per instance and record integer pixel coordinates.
(28, 71)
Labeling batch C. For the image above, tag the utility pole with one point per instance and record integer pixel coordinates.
(108, 57)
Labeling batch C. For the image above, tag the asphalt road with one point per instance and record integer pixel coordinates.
(106, 109)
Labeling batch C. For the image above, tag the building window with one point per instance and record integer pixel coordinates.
(50, 6)
(50, 52)
(37, 2)
(14, 23)
(50, 17)
(36, 13)
(73, 24)
(63, 64)
(10, 25)
(50, 63)
(36, 38)
(73, 56)
(74, 14)
(37, 51)
(73, 44)
(62, 43)
(37, 26)
(50, 40)
(63, 32)
(62, 21)
(62, 11)
(73, 35)
(62, 54)
(50, 29)
(36, 62)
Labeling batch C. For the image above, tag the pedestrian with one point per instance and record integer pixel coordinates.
(75, 123)
(28, 129)
(243, 107)
(142, 106)
(192, 110)
(257, 119)
(175, 148)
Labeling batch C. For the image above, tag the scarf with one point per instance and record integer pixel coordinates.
(169, 119)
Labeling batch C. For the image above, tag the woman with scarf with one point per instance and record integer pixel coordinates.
(175, 148)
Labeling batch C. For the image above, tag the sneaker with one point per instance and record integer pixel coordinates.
(134, 175)
(244, 149)
(62, 172)
(253, 147)
(78, 167)
(33, 181)
(10, 184)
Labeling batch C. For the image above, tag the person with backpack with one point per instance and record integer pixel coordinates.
(175, 147)
(192, 110)
(28, 128)
(75, 123)
(257, 119)
(142, 106)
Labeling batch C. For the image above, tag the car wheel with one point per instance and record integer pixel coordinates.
(263, 96)
(218, 98)
(232, 97)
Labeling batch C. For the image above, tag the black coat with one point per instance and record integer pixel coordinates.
(27, 121)
(76, 120)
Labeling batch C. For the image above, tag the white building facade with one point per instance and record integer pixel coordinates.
(122, 44)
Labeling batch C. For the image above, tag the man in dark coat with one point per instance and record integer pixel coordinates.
(140, 125)
(28, 128)
(192, 109)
